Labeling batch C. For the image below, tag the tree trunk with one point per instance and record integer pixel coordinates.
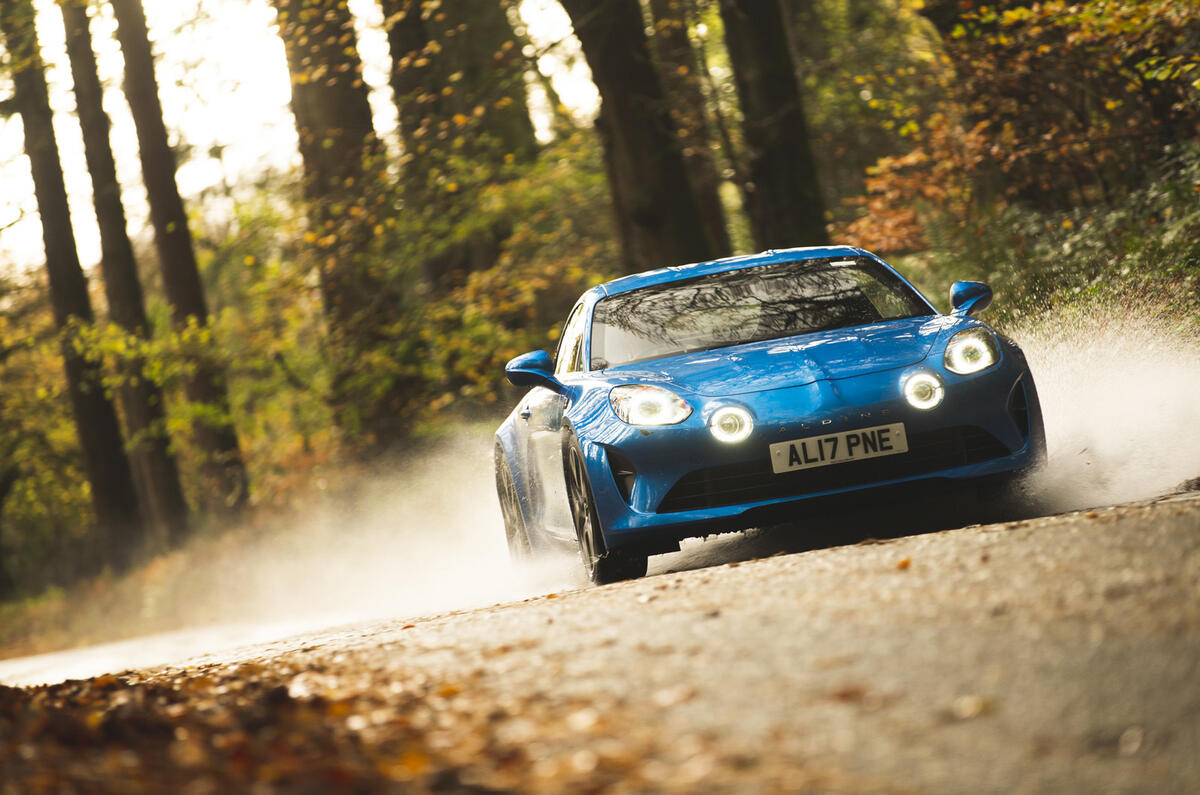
(416, 105)
(458, 78)
(340, 153)
(457, 69)
(223, 468)
(483, 66)
(807, 33)
(783, 196)
(659, 216)
(113, 494)
(154, 467)
(681, 79)
(337, 133)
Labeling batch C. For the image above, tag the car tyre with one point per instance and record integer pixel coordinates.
(515, 533)
(603, 565)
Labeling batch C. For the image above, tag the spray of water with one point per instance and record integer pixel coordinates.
(1120, 391)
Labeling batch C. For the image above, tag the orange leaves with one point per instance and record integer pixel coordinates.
(900, 190)
(1055, 104)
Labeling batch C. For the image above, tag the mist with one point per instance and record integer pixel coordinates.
(406, 542)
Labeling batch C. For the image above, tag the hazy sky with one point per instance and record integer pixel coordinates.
(224, 85)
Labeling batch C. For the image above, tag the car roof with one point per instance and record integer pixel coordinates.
(638, 281)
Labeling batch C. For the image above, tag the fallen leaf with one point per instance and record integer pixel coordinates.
(849, 694)
(971, 706)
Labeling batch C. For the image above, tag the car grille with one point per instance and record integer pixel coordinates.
(755, 481)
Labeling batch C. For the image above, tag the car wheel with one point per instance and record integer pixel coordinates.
(519, 548)
(603, 565)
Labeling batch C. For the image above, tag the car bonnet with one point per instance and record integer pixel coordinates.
(792, 361)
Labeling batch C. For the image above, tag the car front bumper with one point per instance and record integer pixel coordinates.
(686, 483)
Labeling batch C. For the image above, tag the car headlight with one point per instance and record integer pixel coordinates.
(924, 391)
(642, 404)
(731, 424)
(971, 351)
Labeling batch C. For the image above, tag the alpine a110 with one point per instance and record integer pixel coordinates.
(744, 392)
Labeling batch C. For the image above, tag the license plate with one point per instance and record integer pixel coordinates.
(838, 448)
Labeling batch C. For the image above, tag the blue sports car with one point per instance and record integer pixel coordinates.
(748, 391)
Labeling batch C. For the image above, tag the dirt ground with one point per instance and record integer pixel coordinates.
(1059, 654)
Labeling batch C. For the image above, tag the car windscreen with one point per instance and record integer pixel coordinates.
(748, 305)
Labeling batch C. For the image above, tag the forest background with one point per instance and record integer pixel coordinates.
(289, 325)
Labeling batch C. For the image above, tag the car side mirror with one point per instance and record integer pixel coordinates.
(533, 369)
(969, 298)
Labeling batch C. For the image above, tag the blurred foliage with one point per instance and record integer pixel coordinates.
(558, 245)
(1076, 101)
(1049, 105)
(1145, 247)
(1060, 158)
(45, 505)
(869, 67)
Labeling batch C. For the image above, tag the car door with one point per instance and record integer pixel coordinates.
(542, 411)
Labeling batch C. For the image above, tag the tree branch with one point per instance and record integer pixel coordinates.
(20, 213)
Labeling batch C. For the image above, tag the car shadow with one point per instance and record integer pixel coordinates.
(840, 523)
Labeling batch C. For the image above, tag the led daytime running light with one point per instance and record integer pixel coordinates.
(924, 391)
(731, 424)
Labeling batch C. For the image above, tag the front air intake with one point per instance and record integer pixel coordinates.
(623, 473)
(1018, 408)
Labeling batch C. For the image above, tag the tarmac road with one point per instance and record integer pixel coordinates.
(1058, 654)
